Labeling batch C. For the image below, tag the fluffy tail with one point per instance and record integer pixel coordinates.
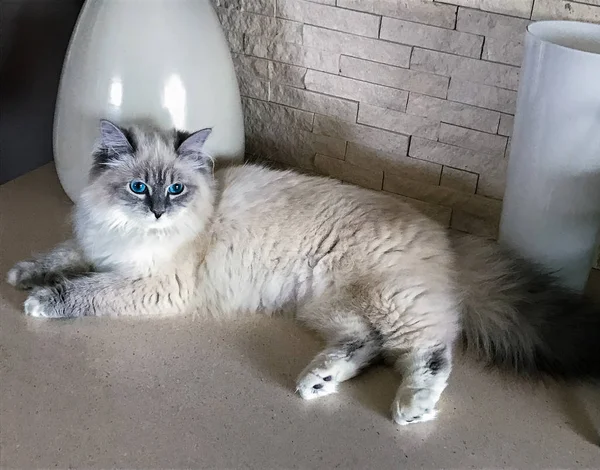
(519, 318)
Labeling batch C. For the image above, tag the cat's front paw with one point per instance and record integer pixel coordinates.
(43, 302)
(413, 406)
(24, 275)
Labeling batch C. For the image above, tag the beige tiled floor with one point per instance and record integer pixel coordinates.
(191, 393)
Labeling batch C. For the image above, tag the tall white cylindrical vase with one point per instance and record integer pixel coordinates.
(164, 61)
(551, 210)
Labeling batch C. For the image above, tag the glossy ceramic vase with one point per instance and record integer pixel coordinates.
(163, 61)
(551, 210)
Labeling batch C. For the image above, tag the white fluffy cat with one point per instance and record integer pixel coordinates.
(158, 233)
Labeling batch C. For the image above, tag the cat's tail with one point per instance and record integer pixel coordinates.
(519, 318)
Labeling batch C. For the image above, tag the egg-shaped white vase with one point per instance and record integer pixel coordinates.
(163, 61)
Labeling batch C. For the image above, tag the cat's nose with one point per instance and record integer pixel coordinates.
(158, 213)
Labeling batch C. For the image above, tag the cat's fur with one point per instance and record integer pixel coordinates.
(364, 269)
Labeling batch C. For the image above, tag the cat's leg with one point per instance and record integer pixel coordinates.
(352, 346)
(64, 260)
(425, 373)
(108, 294)
(339, 362)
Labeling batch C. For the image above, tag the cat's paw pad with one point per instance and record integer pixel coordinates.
(316, 383)
(23, 274)
(413, 406)
(42, 303)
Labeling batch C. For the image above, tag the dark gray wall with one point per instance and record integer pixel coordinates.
(34, 35)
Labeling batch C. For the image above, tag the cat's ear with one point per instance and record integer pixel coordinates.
(114, 139)
(191, 146)
(192, 143)
(115, 145)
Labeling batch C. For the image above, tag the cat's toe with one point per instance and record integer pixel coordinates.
(408, 416)
(314, 384)
(411, 408)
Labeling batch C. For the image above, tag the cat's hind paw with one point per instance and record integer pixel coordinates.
(316, 383)
(412, 407)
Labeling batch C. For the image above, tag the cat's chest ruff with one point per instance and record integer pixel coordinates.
(140, 255)
(148, 254)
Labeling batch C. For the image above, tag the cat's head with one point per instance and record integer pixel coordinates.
(147, 180)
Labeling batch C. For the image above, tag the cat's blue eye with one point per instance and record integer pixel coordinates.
(175, 188)
(138, 187)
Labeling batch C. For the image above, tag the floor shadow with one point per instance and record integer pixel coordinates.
(375, 389)
(278, 348)
(573, 405)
